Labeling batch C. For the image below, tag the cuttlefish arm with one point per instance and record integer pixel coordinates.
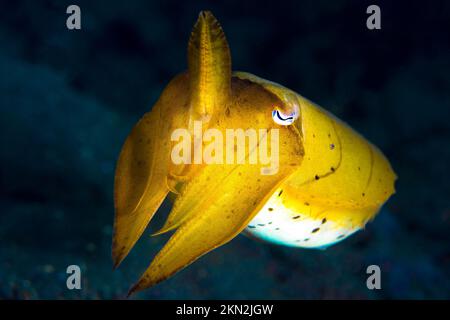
(144, 172)
(209, 65)
(222, 215)
(142, 178)
(220, 200)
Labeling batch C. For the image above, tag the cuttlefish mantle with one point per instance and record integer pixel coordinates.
(329, 182)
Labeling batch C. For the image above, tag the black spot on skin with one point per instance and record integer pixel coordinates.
(341, 236)
(270, 209)
(251, 227)
(306, 239)
(332, 146)
(329, 135)
(363, 194)
(306, 203)
(317, 177)
(270, 222)
(315, 230)
(314, 135)
(324, 220)
(332, 169)
(359, 168)
(296, 217)
(279, 194)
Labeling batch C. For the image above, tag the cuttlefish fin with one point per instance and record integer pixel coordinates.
(209, 67)
(141, 179)
(225, 212)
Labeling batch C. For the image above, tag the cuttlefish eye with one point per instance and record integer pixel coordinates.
(284, 119)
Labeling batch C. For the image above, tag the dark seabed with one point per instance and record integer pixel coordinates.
(69, 98)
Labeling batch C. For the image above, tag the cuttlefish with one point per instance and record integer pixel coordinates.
(329, 181)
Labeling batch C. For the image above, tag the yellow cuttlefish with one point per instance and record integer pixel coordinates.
(329, 183)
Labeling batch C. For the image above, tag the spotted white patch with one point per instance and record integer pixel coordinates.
(279, 224)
